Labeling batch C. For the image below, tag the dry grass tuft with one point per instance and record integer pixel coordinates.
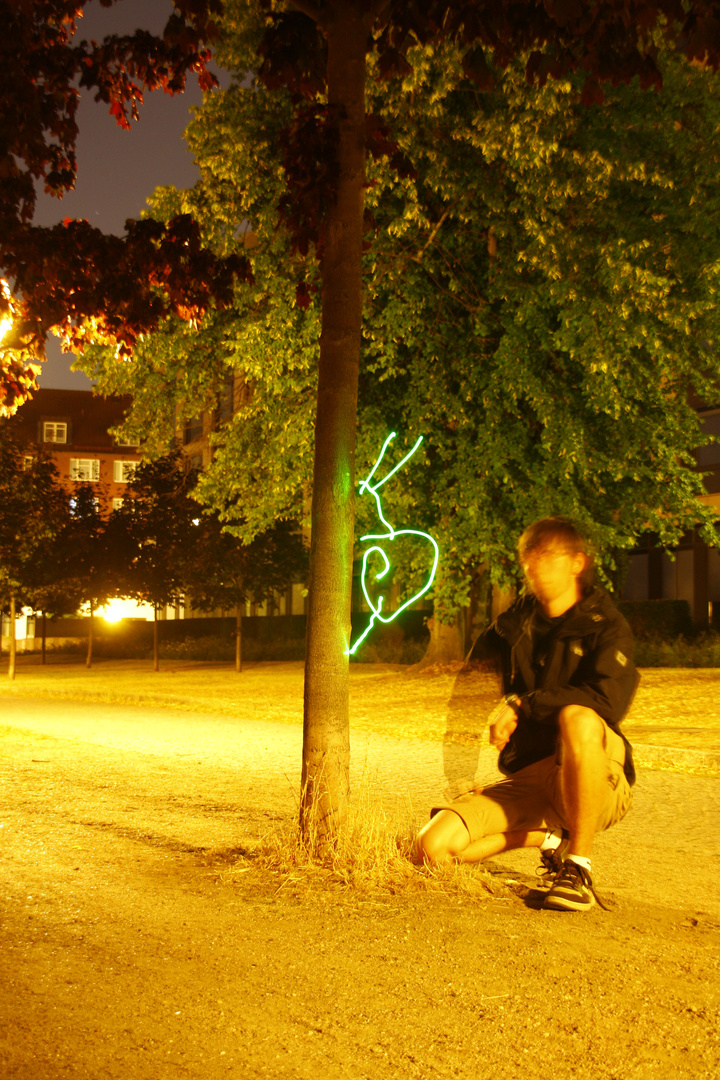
(371, 854)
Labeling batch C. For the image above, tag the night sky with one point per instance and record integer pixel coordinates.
(117, 169)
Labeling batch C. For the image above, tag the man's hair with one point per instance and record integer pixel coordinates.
(557, 532)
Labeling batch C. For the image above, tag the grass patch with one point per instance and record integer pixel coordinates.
(372, 854)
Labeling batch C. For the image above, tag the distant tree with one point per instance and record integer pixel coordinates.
(49, 588)
(156, 527)
(93, 559)
(31, 508)
(225, 572)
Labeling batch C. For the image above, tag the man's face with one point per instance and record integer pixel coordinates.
(552, 573)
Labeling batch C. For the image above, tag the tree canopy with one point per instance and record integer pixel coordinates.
(541, 291)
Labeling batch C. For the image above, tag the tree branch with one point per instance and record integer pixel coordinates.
(433, 234)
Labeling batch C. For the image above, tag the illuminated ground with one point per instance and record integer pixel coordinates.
(131, 949)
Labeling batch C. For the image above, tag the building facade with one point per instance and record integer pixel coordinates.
(75, 426)
(691, 571)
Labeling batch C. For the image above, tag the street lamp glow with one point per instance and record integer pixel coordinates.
(118, 609)
(6, 321)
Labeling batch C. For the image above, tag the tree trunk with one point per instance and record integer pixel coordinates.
(446, 645)
(238, 639)
(156, 642)
(91, 636)
(326, 741)
(44, 635)
(13, 642)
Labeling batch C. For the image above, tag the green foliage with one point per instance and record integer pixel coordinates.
(223, 648)
(156, 532)
(224, 572)
(33, 514)
(540, 298)
(93, 562)
(556, 299)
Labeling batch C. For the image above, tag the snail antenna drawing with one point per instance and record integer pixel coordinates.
(372, 486)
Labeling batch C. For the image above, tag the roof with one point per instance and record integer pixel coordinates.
(89, 415)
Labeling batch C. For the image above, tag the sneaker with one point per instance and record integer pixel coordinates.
(572, 890)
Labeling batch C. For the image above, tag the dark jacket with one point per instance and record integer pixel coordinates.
(589, 662)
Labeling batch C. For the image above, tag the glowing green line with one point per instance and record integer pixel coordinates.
(367, 486)
(399, 464)
(366, 482)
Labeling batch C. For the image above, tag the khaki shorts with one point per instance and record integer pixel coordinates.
(532, 798)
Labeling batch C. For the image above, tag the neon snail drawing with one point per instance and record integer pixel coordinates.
(371, 486)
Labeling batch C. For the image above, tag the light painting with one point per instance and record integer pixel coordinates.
(372, 487)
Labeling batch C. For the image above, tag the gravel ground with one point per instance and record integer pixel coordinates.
(136, 946)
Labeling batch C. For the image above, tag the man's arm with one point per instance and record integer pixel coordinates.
(503, 721)
(605, 680)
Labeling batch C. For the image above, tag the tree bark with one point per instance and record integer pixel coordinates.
(44, 635)
(238, 639)
(326, 740)
(156, 642)
(12, 642)
(91, 636)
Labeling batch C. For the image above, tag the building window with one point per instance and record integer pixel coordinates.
(193, 430)
(226, 402)
(28, 462)
(126, 442)
(117, 503)
(123, 471)
(54, 431)
(85, 469)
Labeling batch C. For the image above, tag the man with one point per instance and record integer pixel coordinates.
(566, 657)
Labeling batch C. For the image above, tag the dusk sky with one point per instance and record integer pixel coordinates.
(118, 169)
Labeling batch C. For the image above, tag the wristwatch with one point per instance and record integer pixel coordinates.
(513, 700)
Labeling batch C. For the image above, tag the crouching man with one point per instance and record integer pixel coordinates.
(566, 657)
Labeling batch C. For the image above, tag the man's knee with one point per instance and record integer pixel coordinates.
(581, 728)
(443, 837)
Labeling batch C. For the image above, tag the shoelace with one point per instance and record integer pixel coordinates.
(551, 860)
(551, 864)
(572, 871)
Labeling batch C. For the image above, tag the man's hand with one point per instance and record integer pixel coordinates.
(502, 726)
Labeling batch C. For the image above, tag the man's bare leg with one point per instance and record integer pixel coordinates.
(583, 774)
(445, 839)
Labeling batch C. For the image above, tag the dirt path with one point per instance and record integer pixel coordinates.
(133, 949)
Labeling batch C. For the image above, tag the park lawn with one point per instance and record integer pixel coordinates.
(674, 707)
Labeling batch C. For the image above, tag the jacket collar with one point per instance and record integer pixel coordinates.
(582, 619)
